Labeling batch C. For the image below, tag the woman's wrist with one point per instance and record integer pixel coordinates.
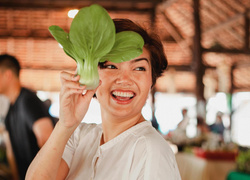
(66, 129)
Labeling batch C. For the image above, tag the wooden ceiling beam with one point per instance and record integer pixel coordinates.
(199, 67)
(121, 5)
(172, 29)
(236, 35)
(224, 24)
(224, 8)
(213, 10)
(164, 5)
(176, 35)
(247, 22)
(234, 5)
(228, 51)
(186, 68)
(185, 13)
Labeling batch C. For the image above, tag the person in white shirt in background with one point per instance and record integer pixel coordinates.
(185, 120)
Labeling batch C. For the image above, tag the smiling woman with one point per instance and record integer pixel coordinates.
(124, 145)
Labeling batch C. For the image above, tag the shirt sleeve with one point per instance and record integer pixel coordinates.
(160, 163)
(70, 147)
(152, 158)
(138, 159)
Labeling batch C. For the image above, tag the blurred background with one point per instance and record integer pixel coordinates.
(207, 44)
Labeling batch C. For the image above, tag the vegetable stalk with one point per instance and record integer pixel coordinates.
(88, 71)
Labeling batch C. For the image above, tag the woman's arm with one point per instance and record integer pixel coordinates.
(73, 107)
(47, 162)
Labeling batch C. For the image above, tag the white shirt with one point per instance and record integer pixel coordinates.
(138, 153)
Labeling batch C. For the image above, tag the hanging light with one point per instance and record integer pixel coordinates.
(60, 45)
(72, 13)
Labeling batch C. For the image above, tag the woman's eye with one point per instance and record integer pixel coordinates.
(140, 69)
(110, 67)
(106, 66)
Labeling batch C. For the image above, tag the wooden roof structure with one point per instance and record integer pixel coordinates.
(206, 41)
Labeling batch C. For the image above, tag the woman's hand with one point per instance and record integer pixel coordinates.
(73, 103)
(73, 107)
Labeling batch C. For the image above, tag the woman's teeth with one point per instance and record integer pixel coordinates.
(123, 94)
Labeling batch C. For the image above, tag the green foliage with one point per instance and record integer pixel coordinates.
(243, 161)
(92, 39)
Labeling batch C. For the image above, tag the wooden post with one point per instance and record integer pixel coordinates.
(247, 29)
(198, 65)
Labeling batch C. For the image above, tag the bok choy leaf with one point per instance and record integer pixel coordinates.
(92, 39)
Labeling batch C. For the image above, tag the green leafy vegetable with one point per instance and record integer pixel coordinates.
(92, 39)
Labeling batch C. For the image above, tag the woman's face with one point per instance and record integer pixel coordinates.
(125, 86)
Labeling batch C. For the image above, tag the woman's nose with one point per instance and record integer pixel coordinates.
(124, 78)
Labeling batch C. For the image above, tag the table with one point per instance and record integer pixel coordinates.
(192, 167)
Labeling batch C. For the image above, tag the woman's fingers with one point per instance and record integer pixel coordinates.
(74, 101)
(74, 85)
(65, 76)
(70, 83)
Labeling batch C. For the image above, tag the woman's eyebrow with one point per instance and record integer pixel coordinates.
(140, 59)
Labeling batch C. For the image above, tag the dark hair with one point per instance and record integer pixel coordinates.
(10, 62)
(151, 42)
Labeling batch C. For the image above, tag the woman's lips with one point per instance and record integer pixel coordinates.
(122, 96)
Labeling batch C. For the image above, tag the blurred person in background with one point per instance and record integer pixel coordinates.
(179, 136)
(27, 122)
(202, 127)
(218, 127)
(185, 120)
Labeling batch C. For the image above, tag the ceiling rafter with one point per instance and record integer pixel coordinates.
(227, 10)
(205, 15)
(227, 25)
(183, 12)
(228, 51)
(164, 5)
(247, 27)
(121, 5)
(172, 29)
(236, 35)
(212, 12)
(174, 32)
(224, 24)
(234, 6)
